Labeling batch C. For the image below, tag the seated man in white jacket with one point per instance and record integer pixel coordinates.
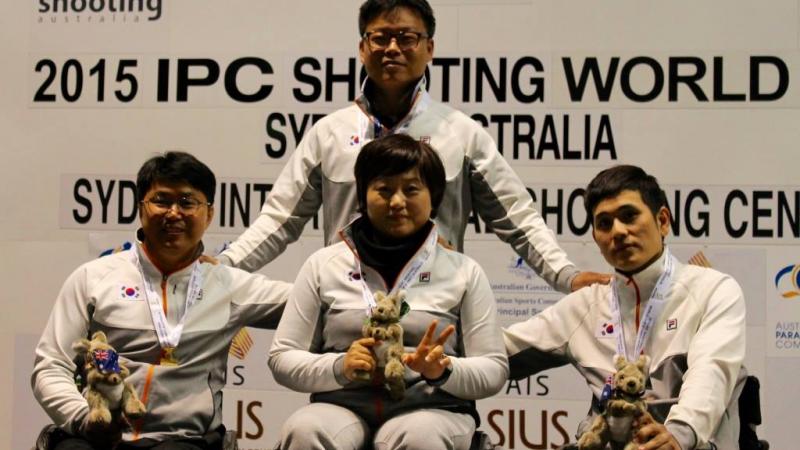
(170, 317)
(689, 320)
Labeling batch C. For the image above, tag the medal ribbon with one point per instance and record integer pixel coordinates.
(658, 299)
(405, 278)
(169, 337)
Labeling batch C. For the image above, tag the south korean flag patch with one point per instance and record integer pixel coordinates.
(605, 329)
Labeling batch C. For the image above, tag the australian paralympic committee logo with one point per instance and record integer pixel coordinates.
(787, 281)
(98, 11)
(787, 332)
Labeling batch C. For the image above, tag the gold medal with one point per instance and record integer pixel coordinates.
(168, 357)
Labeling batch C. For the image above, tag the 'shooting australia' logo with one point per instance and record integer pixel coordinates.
(98, 11)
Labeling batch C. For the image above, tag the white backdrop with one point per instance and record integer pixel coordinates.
(702, 94)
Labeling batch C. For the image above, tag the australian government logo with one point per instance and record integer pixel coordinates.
(519, 269)
(787, 286)
(98, 11)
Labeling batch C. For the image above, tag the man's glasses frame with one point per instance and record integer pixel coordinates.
(381, 40)
(188, 206)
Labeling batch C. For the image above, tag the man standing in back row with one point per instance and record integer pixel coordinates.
(396, 46)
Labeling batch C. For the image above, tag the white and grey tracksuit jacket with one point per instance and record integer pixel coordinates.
(326, 311)
(320, 173)
(107, 294)
(696, 347)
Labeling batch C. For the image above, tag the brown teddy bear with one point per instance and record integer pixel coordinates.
(106, 390)
(384, 326)
(624, 405)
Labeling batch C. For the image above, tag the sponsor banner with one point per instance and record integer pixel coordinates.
(98, 11)
(257, 416)
(782, 296)
(521, 424)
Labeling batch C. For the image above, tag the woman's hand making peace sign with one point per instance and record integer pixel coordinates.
(429, 359)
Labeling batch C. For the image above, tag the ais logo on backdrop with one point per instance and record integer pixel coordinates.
(787, 281)
(241, 345)
(98, 11)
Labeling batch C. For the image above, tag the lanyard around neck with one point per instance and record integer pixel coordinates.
(168, 336)
(656, 303)
(406, 276)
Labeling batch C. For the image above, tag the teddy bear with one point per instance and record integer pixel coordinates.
(624, 404)
(383, 325)
(106, 388)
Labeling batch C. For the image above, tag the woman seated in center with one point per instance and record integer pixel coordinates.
(455, 351)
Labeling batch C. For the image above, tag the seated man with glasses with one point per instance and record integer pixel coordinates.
(170, 316)
(395, 48)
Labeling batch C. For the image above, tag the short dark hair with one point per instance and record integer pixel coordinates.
(395, 154)
(371, 9)
(173, 167)
(610, 182)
